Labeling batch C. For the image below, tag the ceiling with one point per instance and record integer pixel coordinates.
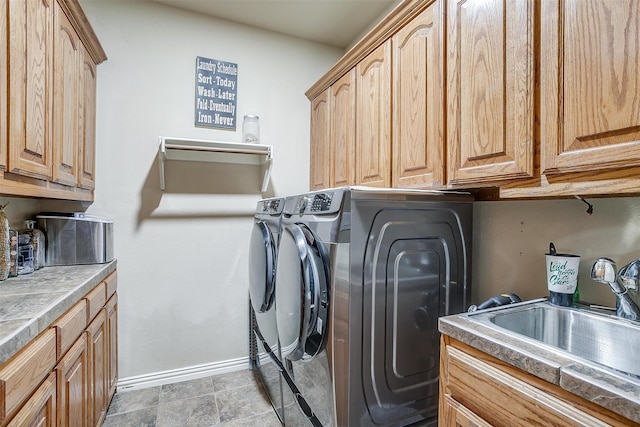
(335, 23)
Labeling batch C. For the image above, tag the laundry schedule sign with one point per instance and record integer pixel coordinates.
(216, 93)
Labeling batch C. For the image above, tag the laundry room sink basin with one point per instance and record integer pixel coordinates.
(600, 338)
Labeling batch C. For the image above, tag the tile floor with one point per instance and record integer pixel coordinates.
(233, 399)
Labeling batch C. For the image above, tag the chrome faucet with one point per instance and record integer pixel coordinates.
(604, 271)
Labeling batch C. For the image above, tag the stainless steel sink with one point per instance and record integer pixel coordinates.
(604, 339)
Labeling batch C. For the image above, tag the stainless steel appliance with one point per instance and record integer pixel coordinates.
(362, 277)
(76, 238)
(263, 333)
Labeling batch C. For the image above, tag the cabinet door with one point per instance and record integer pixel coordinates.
(22, 374)
(65, 105)
(373, 122)
(490, 80)
(72, 391)
(320, 149)
(87, 121)
(343, 130)
(30, 85)
(4, 102)
(418, 102)
(591, 118)
(112, 352)
(453, 414)
(40, 409)
(98, 369)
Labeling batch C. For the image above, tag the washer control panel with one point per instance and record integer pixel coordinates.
(321, 202)
(270, 206)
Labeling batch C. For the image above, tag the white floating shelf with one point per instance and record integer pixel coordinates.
(194, 150)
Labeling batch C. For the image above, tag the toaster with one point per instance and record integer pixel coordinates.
(76, 238)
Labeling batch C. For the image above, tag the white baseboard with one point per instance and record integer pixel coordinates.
(183, 374)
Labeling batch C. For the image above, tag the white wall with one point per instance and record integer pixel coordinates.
(511, 238)
(182, 258)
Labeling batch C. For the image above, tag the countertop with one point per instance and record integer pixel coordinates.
(29, 304)
(605, 387)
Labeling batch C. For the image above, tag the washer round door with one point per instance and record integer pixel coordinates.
(262, 264)
(302, 293)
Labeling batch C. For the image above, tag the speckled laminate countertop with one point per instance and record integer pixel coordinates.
(605, 387)
(29, 304)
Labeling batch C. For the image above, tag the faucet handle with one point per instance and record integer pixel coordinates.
(630, 275)
(604, 270)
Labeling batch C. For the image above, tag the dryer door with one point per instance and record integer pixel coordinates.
(302, 293)
(262, 259)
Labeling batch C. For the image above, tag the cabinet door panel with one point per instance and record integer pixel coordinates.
(72, 377)
(320, 149)
(590, 85)
(65, 116)
(373, 128)
(30, 85)
(453, 414)
(112, 352)
(418, 102)
(490, 90)
(87, 121)
(98, 369)
(343, 130)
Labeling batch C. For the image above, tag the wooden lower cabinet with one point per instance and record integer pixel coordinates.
(112, 350)
(40, 409)
(66, 376)
(72, 386)
(452, 413)
(97, 334)
(479, 390)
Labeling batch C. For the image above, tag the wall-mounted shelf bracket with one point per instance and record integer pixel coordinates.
(215, 152)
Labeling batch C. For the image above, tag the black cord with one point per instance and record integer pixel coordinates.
(590, 206)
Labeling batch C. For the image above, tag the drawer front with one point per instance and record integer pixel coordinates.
(112, 284)
(70, 326)
(21, 375)
(502, 399)
(96, 300)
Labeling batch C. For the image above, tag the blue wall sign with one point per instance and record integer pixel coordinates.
(216, 93)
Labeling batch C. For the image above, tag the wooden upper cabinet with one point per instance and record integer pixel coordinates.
(30, 86)
(373, 125)
(343, 130)
(320, 149)
(589, 85)
(418, 102)
(490, 98)
(65, 106)
(4, 101)
(87, 121)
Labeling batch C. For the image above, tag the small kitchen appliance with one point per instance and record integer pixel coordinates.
(76, 238)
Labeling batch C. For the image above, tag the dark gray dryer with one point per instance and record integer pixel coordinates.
(363, 275)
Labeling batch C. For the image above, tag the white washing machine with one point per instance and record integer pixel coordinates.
(363, 276)
(264, 350)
